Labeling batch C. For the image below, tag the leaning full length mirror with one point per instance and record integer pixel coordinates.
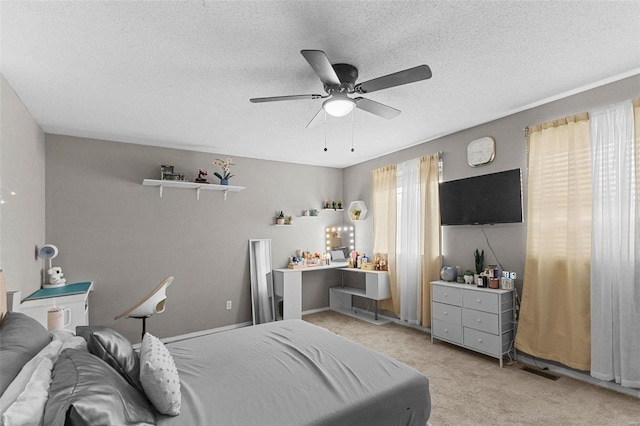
(262, 301)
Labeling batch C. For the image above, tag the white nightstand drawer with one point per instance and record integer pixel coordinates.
(481, 301)
(447, 313)
(479, 320)
(446, 331)
(483, 342)
(444, 294)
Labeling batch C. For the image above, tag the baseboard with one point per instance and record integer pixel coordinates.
(315, 311)
(205, 332)
(578, 375)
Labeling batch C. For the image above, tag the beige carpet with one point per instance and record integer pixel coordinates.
(471, 389)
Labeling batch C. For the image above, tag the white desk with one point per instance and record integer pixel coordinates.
(377, 287)
(287, 284)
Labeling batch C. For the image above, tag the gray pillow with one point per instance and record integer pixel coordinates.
(113, 348)
(21, 338)
(86, 391)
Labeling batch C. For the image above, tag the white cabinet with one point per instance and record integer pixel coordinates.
(74, 297)
(376, 288)
(476, 318)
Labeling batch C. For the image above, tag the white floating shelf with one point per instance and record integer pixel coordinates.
(192, 185)
(358, 205)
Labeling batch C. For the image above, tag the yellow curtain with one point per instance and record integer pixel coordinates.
(431, 232)
(555, 311)
(384, 202)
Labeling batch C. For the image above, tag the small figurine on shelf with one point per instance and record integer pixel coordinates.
(201, 174)
(327, 204)
(56, 277)
(339, 204)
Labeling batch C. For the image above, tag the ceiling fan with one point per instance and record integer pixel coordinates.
(339, 80)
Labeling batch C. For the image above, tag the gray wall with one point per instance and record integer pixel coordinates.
(112, 230)
(507, 240)
(22, 171)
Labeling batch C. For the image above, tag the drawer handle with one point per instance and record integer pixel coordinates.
(444, 294)
(479, 320)
(480, 340)
(445, 312)
(446, 331)
(479, 301)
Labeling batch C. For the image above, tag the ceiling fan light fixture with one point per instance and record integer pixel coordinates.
(338, 105)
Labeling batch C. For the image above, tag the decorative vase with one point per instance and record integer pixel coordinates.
(449, 273)
(279, 221)
(224, 181)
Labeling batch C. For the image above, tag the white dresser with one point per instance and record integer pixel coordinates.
(476, 318)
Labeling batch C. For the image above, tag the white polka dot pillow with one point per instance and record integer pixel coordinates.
(159, 376)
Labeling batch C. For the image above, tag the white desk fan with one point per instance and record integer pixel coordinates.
(48, 252)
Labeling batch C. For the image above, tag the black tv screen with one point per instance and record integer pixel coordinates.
(486, 199)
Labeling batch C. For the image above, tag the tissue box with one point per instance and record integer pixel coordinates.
(369, 266)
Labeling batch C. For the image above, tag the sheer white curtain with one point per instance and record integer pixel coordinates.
(615, 273)
(409, 242)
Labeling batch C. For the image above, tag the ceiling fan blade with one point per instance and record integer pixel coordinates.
(411, 75)
(321, 65)
(316, 118)
(285, 98)
(376, 108)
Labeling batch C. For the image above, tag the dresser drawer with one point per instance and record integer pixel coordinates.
(447, 313)
(480, 301)
(446, 331)
(479, 320)
(482, 341)
(444, 294)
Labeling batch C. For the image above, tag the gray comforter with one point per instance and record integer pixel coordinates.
(293, 373)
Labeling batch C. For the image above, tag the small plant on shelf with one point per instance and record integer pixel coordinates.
(339, 204)
(288, 220)
(355, 213)
(280, 218)
(226, 170)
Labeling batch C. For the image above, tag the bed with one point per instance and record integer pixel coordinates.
(279, 373)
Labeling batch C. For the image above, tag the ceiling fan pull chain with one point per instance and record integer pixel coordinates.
(325, 131)
(352, 131)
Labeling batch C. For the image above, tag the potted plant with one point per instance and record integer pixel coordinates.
(226, 170)
(468, 276)
(339, 204)
(287, 220)
(479, 261)
(355, 214)
(280, 218)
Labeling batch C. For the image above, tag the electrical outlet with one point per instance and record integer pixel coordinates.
(228, 304)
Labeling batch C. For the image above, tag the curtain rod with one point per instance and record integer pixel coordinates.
(439, 157)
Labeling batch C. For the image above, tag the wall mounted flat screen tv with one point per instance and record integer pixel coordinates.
(485, 199)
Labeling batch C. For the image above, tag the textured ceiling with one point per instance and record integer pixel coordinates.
(180, 73)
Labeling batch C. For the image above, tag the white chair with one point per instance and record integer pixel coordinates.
(153, 303)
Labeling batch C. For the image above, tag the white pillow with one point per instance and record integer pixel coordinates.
(28, 409)
(18, 385)
(159, 376)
